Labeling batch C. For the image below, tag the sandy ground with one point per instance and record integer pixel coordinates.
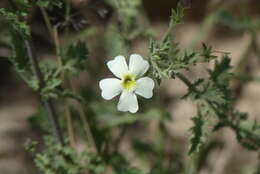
(15, 130)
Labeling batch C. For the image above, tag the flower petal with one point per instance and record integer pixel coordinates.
(118, 66)
(128, 102)
(110, 87)
(145, 87)
(137, 65)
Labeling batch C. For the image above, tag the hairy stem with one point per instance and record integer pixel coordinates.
(47, 22)
(48, 104)
(63, 77)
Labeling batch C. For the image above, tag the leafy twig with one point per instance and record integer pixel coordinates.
(48, 104)
(226, 122)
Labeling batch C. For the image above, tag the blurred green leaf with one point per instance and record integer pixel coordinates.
(197, 133)
(75, 58)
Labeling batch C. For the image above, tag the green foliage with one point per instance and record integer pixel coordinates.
(39, 121)
(212, 93)
(207, 53)
(113, 37)
(52, 78)
(89, 117)
(127, 12)
(177, 15)
(162, 63)
(14, 20)
(73, 62)
(218, 101)
(75, 58)
(167, 59)
(57, 159)
(130, 22)
(165, 56)
(19, 53)
(197, 131)
(239, 23)
(213, 90)
(50, 3)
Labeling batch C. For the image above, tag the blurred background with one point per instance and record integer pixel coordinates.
(227, 25)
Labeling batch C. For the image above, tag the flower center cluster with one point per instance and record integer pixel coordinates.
(128, 82)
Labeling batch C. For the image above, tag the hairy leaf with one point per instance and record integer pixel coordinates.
(197, 133)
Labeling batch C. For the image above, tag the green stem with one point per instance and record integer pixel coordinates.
(84, 120)
(69, 125)
(227, 122)
(47, 22)
(80, 108)
(63, 77)
(190, 85)
(47, 103)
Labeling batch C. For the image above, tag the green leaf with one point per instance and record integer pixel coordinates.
(18, 26)
(207, 53)
(220, 74)
(177, 15)
(52, 78)
(58, 159)
(213, 95)
(75, 58)
(78, 51)
(197, 133)
(19, 53)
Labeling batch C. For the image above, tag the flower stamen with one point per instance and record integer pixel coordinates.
(128, 82)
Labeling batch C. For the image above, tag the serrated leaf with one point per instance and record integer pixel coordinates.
(214, 95)
(78, 51)
(197, 133)
(16, 24)
(207, 53)
(19, 56)
(220, 73)
(177, 15)
(75, 57)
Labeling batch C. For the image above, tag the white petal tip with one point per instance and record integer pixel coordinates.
(118, 66)
(110, 88)
(105, 97)
(128, 102)
(133, 112)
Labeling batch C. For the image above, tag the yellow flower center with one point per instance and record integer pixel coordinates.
(128, 82)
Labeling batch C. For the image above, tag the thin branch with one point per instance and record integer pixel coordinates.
(47, 103)
(237, 129)
(120, 137)
(63, 78)
(85, 123)
(47, 22)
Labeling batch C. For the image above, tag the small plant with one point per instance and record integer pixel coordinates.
(69, 116)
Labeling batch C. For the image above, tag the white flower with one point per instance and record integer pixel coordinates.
(128, 82)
